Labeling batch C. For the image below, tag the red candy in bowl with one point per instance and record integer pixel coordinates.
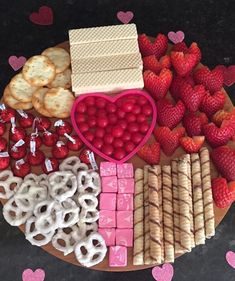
(114, 127)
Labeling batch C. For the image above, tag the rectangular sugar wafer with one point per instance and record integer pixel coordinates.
(107, 81)
(102, 33)
(100, 64)
(103, 48)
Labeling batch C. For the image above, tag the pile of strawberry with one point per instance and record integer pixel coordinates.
(190, 106)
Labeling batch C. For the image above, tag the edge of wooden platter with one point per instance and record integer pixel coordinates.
(219, 213)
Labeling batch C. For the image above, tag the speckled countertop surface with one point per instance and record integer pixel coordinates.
(209, 23)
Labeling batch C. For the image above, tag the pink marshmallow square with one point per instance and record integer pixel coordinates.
(107, 219)
(124, 219)
(124, 202)
(108, 201)
(126, 186)
(117, 256)
(109, 184)
(109, 235)
(125, 170)
(124, 237)
(108, 169)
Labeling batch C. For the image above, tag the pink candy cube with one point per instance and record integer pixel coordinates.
(124, 219)
(124, 237)
(124, 202)
(117, 256)
(108, 201)
(126, 186)
(109, 184)
(107, 219)
(108, 169)
(125, 170)
(108, 235)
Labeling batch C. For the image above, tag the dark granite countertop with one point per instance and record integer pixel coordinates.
(208, 22)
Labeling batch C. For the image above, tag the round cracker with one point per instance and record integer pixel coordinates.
(38, 102)
(59, 102)
(59, 56)
(20, 89)
(13, 103)
(62, 79)
(39, 71)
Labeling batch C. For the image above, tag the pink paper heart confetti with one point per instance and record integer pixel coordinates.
(44, 16)
(176, 37)
(229, 74)
(37, 275)
(164, 273)
(125, 17)
(16, 62)
(230, 258)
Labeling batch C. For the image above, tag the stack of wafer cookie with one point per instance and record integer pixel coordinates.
(173, 208)
(43, 84)
(105, 59)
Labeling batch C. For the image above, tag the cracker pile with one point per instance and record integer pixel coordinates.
(173, 208)
(44, 84)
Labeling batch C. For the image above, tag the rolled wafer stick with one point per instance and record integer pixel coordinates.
(185, 233)
(207, 193)
(199, 228)
(154, 216)
(190, 200)
(176, 208)
(159, 173)
(147, 259)
(168, 214)
(138, 251)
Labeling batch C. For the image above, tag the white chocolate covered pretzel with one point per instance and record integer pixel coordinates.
(70, 213)
(73, 164)
(8, 184)
(87, 200)
(89, 215)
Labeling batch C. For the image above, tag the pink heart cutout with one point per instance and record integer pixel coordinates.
(230, 258)
(16, 62)
(125, 17)
(164, 273)
(229, 74)
(113, 99)
(43, 17)
(37, 275)
(176, 37)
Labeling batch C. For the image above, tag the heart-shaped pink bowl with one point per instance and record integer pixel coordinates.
(113, 99)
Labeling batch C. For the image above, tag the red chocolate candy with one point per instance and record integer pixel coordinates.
(49, 138)
(4, 160)
(18, 152)
(3, 144)
(26, 120)
(42, 123)
(74, 145)
(7, 114)
(17, 133)
(63, 127)
(2, 129)
(35, 158)
(60, 150)
(50, 165)
(21, 168)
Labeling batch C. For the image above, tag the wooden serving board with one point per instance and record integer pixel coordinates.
(137, 162)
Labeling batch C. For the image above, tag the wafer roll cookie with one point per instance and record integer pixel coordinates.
(168, 214)
(207, 193)
(147, 259)
(190, 200)
(199, 228)
(138, 250)
(159, 172)
(185, 233)
(176, 218)
(154, 216)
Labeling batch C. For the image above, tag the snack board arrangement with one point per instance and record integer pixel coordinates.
(119, 157)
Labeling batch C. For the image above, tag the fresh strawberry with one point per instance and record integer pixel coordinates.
(157, 48)
(180, 47)
(192, 145)
(193, 123)
(169, 140)
(169, 115)
(194, 49)
(222, 115)
(183, 63)
(157, 85)
(224, 159)
(192, 96)
(177, 81)
(211, 79)
(150, 153)
(217, 136)
(155, 65)
(223, 192)
(84, 156)
(212, 103)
